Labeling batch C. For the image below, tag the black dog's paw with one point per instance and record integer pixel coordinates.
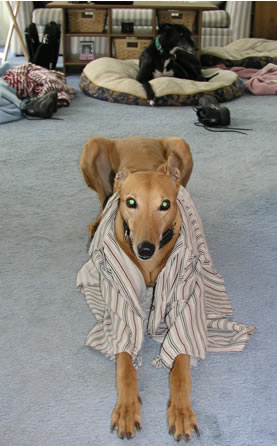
(152, 101)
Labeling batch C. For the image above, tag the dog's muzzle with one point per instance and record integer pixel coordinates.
(186, 46)
(145, 250)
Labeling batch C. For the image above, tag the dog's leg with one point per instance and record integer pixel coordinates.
(144, 76)
(181, 418)
(126, 415)
(149, 93)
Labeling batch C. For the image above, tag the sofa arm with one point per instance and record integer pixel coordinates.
(215, 19)
(240, 17)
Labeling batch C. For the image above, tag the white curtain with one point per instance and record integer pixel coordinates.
(4, 23)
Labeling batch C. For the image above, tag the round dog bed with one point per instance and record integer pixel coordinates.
(114, 80)
(248, 53)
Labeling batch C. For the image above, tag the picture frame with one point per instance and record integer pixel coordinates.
(87, 50)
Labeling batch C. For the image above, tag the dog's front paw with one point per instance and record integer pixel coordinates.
(152, 101)
(126, 417)
(181, 421)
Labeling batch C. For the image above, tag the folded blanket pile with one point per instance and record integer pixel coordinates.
(31, 81)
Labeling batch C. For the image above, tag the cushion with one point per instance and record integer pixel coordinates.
(43, 16)
(250, 53)
(114, 80)
(140, 17)
(216, 32)
(215, 19)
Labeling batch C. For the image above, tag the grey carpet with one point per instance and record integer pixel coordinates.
(57, 392)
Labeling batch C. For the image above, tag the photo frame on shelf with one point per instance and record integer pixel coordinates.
(87, 50)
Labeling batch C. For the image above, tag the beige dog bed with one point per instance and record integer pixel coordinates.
(114, 80)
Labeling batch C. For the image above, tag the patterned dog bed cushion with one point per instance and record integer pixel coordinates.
(250, 53)
(114, 80)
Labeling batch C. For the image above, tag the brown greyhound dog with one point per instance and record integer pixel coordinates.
(146, 173)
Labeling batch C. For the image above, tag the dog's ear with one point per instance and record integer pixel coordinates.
(96, 166)
(120, 178)
(181, 151)
(171, 168)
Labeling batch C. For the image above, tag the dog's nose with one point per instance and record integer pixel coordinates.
(146, 250)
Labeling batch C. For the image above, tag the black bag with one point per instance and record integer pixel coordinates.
(32, 40)
(46, 52)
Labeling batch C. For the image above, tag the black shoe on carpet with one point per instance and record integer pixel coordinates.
(43, 107)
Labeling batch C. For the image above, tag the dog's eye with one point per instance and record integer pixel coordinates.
(131, 202)
(165, 205)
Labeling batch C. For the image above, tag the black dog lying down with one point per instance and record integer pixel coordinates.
(170, 54)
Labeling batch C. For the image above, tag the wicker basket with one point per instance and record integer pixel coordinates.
(177, 17)
(130, 48)
(87, 20)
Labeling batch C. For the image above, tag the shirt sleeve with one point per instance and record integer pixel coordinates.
(185, 318)
(118, 328)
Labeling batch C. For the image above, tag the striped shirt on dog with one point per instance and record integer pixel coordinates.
(188, 306)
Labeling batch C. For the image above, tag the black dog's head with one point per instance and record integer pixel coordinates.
(172, 36)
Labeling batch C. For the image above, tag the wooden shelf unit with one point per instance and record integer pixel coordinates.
(265, 20)
(68, 61)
